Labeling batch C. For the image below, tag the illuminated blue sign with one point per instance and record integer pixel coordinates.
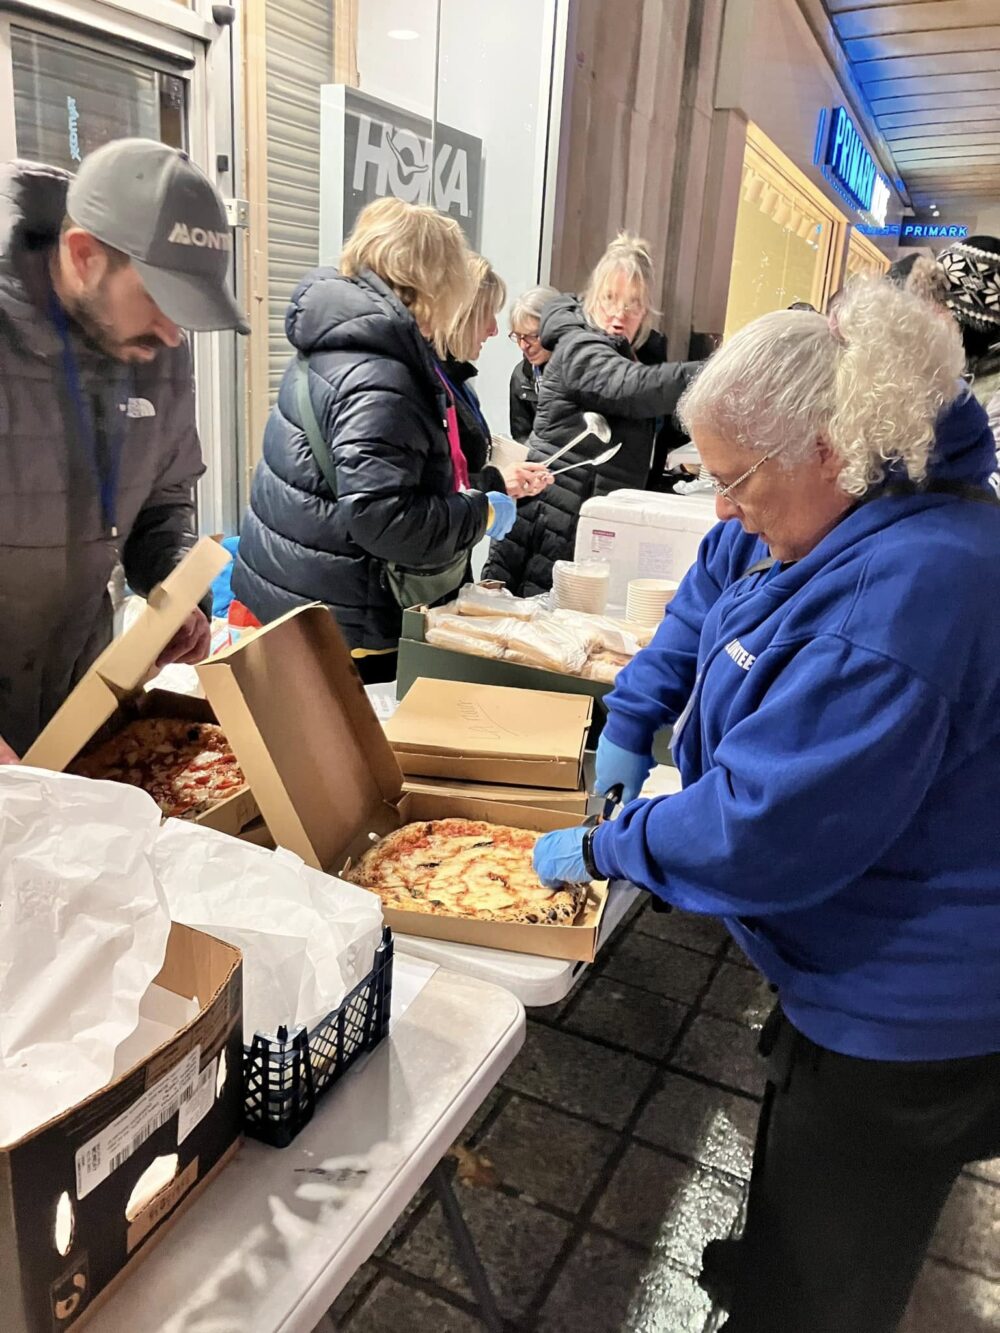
(849, 166)
(917, 231)
(929, 231)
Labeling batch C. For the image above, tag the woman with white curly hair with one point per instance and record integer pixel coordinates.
(831, 669)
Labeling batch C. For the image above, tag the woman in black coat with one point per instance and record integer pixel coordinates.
(381, 494)
(526, 377)
(595, 366)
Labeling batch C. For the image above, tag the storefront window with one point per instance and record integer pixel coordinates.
(787, 239)
(475, 74)
(864, 257)
(433, 101)
(69, 99)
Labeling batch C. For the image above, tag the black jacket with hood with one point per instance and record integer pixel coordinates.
(381, 409)
(57, 549)
(524, 385)
(589, 370)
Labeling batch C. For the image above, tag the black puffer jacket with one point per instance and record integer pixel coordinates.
(589, 371)
(523, 400)
(380, 407)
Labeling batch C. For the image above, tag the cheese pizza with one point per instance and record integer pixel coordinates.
(467, 868)
(187, 767)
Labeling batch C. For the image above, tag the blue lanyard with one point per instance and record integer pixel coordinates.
(459, 391)
(114, 432)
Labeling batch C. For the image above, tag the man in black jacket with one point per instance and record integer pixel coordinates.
(100, 452)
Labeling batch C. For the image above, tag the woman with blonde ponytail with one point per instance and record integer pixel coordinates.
(598, 345)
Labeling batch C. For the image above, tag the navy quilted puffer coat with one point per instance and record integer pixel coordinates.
(381, 410)
(589, 371)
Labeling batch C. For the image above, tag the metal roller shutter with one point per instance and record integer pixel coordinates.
(299, 62)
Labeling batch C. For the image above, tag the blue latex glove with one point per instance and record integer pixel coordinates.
(504, 515)
(558, 858)
(615, 765)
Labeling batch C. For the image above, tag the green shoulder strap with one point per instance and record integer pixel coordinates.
(319, 447)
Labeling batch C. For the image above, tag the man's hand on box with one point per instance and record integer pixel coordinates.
(191, 642)
(7, 755)
(558, 858)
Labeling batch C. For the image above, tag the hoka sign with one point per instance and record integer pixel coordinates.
(371, 150)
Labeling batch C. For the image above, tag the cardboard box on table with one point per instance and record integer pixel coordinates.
(491, 734)
(111, 694)
(74, 1217)
(577, 803)
(325, 777)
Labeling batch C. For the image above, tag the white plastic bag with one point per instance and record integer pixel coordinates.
(307, 938)
(83, 933)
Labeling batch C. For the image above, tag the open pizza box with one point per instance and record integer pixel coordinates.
(326, 779)
(111, 694)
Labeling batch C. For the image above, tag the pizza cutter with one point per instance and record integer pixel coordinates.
(612, 797)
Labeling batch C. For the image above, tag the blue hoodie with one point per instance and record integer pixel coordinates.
(838, 735)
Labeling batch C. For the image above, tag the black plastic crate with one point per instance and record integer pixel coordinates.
(285, 1076)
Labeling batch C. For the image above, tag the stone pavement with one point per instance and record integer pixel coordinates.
(621, 1139)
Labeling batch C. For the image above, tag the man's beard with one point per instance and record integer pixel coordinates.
(89, 311)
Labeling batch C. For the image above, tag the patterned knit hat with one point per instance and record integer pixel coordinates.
(973, 271)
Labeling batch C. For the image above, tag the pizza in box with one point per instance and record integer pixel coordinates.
(465, 868)
(187, 767)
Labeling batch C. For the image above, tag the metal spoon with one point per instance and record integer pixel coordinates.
(593, 424)
(590, 462)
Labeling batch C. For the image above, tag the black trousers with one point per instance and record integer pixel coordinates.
(853, 1163)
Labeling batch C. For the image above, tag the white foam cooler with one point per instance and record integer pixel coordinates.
(643, 535)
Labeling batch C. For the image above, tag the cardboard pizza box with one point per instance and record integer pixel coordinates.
(85, 1197)
(326, 779)
(540, 798)
(111, 693)
(491, 734)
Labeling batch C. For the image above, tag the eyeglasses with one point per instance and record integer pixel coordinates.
(610, 307)
(525, 339)
(724, 492)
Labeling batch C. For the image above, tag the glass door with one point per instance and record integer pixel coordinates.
(864, 257)
(70, 98)
(788, 238)
(115, 74)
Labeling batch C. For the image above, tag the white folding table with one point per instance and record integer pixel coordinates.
(273, 1241)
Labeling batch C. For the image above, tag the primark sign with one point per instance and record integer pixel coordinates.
(912, 232)
(849, 167)
(373, 150)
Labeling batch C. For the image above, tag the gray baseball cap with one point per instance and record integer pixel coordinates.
(151, 202)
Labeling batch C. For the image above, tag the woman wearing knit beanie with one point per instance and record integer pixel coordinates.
(965, 279)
